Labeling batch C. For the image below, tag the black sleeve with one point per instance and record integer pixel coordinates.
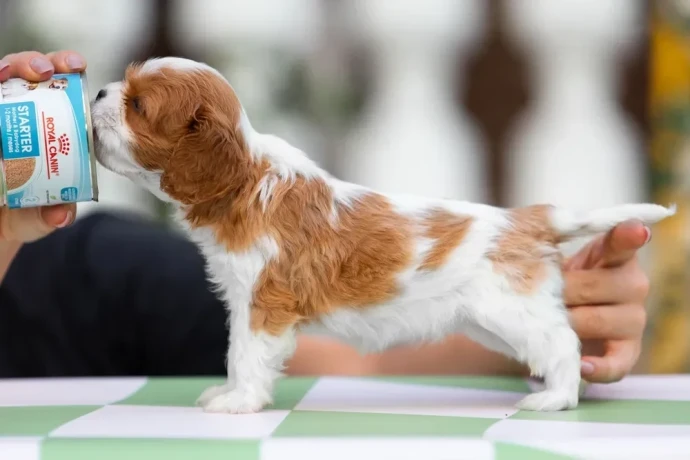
(110, 295)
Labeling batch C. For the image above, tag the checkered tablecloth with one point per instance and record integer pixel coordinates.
(425, 418)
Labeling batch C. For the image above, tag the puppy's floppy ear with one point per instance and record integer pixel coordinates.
(205, 162)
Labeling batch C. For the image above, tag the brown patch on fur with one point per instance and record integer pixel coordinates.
(520, 251)
(447, 230)
(322, 266)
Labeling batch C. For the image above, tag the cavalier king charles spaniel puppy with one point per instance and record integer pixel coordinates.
(292, 249)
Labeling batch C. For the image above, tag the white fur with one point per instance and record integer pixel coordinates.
(465, 296)
(600, 220)
(175, 63)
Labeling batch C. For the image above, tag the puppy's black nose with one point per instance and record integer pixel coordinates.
(101, 94)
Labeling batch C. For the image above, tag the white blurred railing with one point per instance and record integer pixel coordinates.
(412, 137)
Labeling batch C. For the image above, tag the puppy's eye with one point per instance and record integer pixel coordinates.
(136, 104)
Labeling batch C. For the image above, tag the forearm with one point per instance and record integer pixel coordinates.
(454, 356)
(8, 251)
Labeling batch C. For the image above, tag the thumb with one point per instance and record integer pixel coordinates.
(30, 224)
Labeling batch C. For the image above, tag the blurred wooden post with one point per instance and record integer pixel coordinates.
(164, 38)
(496, 91)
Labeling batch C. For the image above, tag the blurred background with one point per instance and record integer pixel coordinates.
(580, 103)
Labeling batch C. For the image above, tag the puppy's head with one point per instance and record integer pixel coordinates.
(175, 127)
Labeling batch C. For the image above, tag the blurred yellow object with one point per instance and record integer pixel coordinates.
(667, 347)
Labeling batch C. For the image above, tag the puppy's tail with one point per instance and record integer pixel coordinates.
(569, 224)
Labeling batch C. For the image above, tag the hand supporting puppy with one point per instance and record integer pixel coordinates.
(30, 224)
(606, 289)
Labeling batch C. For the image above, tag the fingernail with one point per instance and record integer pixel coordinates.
(67, 221)
(4, 65)
(586, 367)
(75, 62)
(649, 235)
(41, 65)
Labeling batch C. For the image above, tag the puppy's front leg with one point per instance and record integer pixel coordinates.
(255, 360)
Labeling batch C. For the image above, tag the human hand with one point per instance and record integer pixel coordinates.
(605, 291)
(30, 224)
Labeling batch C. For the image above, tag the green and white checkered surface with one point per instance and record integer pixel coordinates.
(423, 418)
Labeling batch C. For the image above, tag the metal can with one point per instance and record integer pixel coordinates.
(46, 142)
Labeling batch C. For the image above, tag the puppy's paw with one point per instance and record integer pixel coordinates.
(211, 392)
(547, 401)
(235, 402)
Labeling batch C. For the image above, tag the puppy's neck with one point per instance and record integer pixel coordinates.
(285, 160)
(274, 164)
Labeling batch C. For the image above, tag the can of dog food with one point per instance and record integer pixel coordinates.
(46, 142)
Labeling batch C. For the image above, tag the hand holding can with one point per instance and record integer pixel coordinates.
(31, 223)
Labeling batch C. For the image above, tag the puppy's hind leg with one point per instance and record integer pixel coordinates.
(255, 360)
(538, 332)
(554, 354)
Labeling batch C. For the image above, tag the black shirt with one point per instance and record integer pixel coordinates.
(110, 295)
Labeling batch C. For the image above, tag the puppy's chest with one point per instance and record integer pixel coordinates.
(234, 271)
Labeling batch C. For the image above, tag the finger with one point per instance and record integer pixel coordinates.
(618, 322)
(67, 61)
(59, 216)
(31, 224)
(618, 361)
(4, 70)
(30, 65)
(600, 286)
(622, 243)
